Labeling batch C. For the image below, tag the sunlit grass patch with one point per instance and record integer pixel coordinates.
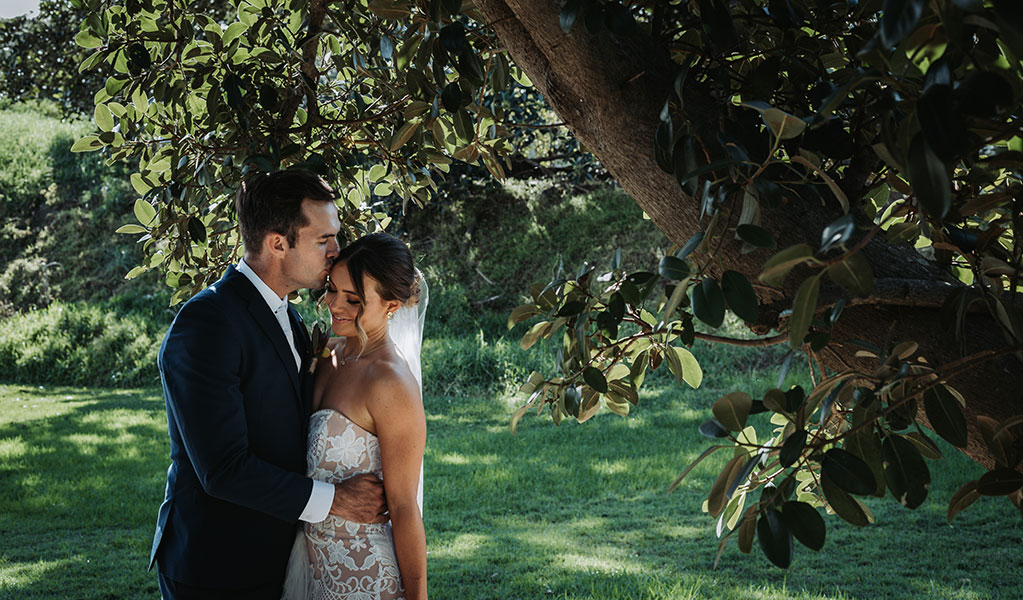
(577, 511)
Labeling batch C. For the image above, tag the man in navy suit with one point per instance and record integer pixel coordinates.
(234, 366)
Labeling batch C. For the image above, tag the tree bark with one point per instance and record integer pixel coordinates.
(609, 91)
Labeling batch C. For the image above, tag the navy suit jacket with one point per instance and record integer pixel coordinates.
(237, 412)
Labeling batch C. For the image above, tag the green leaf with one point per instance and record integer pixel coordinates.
(713, 429)
(135, 272)
(732, 410)
(898, 18)
(389, 9)
(196, 230)
(521, 313)
(964, 496)
(792, 448)
(571, 308)
(532, 335)
(569, 14)
(837, 232)
(756, 236)
(690, 245)
(104, 120)
(805, 523)
(739, 296)
(595, 379)
(144, 211)
(451, 97)
(854, 274)
(85, 39)
(848, 472)
(716, 499)
(946, 415)
(709, 303)
(130, 229)
(673, 268)
(775, 538)
(905, 472)
(779, 265)
(691, 371)
(1000, 482)
(86, 144)
(747, 530)
(803, 308)
(844, 505)
(403, 134)
(930, 180)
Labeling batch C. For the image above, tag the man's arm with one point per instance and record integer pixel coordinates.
(200, 365)
(359, 499)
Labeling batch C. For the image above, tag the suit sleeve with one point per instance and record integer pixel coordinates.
(200, 364)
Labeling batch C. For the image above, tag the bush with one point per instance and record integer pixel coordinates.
(80, 344)
(58, 213)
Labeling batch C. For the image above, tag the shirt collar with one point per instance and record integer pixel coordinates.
(275, 302)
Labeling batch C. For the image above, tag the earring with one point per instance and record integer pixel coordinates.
(389, 315)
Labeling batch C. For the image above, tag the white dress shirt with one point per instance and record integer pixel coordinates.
(322, 496)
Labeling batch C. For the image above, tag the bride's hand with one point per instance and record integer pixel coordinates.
(360, 499)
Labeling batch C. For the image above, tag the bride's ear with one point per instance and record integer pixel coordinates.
(392, 307)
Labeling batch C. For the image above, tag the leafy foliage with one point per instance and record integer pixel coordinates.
(909, 131)
(898, 116)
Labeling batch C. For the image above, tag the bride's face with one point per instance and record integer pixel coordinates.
(344, 303)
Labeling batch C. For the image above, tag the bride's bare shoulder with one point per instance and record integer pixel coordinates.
(391, 383)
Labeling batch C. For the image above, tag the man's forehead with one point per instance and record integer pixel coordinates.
(321, 215)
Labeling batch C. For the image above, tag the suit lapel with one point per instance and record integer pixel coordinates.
(267, 322)
(302, 341)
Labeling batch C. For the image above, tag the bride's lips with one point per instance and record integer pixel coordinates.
(340, 320)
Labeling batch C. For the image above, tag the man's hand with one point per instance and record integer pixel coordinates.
(360, 499)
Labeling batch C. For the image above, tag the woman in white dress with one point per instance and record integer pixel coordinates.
(368, 417)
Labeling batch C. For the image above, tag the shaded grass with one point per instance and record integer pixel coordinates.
(573, 512)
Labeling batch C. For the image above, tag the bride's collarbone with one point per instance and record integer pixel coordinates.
(345, 391)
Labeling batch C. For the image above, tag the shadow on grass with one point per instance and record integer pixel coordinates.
(580, 511)
(576, 511)
(82, 480)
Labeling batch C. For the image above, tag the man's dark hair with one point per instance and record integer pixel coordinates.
(272, 203)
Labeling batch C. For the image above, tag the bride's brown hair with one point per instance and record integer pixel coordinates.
(386, 259)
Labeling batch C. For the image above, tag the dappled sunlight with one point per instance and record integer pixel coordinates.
(14, 575)
(462, 546)
(458, 459)
(611, 564)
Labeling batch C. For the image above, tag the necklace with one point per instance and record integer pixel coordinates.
(342, 360)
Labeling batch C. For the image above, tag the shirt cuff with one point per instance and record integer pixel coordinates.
(320, 501)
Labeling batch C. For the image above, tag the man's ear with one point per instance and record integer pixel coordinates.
(276, 244)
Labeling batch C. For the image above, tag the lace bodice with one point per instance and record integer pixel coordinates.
(349, 560)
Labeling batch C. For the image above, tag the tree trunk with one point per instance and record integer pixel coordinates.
(610, 90)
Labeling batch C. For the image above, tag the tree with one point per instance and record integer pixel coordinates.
(877, 144)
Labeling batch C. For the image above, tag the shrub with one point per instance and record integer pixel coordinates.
(58, 213)
(80, 344)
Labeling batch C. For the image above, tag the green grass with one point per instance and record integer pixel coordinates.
(576, 511)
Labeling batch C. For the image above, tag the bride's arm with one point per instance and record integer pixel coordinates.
(397, 411)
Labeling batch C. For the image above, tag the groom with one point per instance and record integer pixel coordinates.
(234, 366)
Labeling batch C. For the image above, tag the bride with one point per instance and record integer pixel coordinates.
(368, 417)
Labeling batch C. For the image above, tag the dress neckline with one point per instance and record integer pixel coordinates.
(346, 418)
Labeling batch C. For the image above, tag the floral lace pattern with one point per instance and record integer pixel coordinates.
(351, 561)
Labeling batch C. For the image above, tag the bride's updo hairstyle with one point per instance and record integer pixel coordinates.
(386, 259)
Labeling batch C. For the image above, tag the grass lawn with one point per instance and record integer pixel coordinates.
(576, 511)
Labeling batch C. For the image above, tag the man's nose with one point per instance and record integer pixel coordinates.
(333, 249)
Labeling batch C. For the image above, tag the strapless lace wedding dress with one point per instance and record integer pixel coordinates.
(344, 560)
